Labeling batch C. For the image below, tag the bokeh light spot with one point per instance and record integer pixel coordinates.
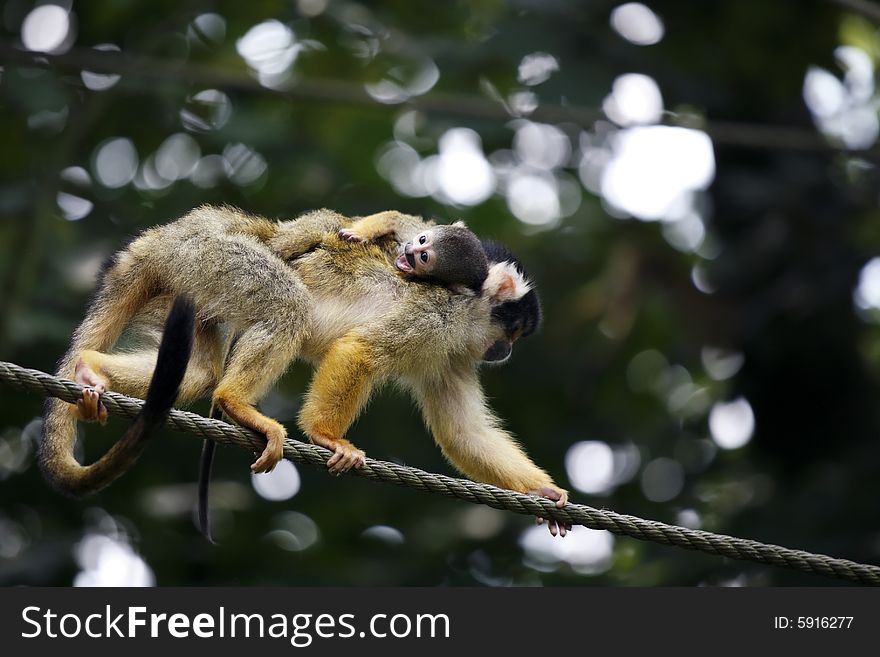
(634, 99)
(637, 24)
(209, 109)
(590, 466)
(463, 173)
(177, 156)
(269, 49)
(587, 551)
(115, 162)
(533, 198)
(732, 423)
(384, 534)
(280, 484)
(46, 28)
(653, 166)
(404, 82)
(540, 145)
(867, 292)
(101, 81)
(536, 68)
(208, 28)
(244, 166)
(73, 207)
(662, 479)
(295, 532)
(109, 561)
(720, 364)
(844, 110)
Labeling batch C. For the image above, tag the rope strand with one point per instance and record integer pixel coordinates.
(469, 491)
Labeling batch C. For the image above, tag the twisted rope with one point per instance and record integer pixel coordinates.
(464, 489)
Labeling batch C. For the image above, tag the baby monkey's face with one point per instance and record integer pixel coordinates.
(418, 256)
(447, 254)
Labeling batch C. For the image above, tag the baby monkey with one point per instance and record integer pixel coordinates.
(449, 255)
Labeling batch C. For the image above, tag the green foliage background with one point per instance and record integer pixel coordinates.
(792, 227)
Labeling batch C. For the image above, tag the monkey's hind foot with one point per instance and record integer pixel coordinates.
(345, 455)
(273, 453)
(90, 408)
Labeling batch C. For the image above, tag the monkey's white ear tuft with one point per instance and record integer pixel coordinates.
(460, 224)
(505, 283)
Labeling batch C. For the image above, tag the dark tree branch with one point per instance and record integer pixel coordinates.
(726, 133)
(866, 8)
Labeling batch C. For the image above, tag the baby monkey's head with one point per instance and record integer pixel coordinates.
(451, 255)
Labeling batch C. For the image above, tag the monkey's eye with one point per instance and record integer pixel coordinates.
(424, 256)
(422, 239)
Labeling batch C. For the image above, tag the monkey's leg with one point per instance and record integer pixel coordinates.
(339, 390)
(470, 436)
(260, 355)
(120, 297)
(130, 373)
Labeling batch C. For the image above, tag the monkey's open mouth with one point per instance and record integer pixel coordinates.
(405, 263)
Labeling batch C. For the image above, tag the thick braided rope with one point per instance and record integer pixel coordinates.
(464, 489)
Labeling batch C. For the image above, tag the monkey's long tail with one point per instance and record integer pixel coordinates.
(56, 454)
(209, 447)
(206, 463)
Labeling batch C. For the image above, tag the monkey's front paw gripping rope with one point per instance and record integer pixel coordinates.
(470, 491)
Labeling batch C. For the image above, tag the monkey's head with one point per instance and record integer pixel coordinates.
(516, 308)
(451, 255)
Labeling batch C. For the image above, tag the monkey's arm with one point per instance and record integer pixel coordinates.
(340, 389)
(298, 236)
(401, 227)
(470, 436)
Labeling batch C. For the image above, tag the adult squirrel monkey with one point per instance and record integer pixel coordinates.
(299, 289)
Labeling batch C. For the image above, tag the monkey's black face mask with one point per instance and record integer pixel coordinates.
(498, 353)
